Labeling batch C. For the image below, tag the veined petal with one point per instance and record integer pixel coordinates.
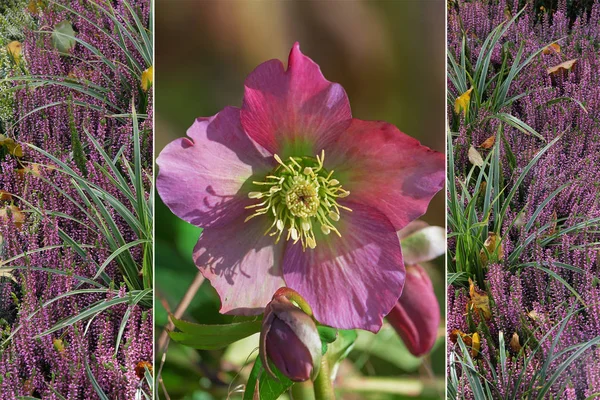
(242, 264)
(202, 178)
(386, 169)
(296, 111)
(416, 316)
(351, 281)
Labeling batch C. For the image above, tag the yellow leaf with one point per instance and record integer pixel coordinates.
(4, 195)
(14, 49)
(59, 345)
(474, 157)
(462, 102)
(551, 49)
(514, 344)
(147, 78)
(565, 66)
(476, 345)
(480, 301)
(18, 217)
(493, 245)
(488, 143)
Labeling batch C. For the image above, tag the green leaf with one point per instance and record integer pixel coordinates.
(63, 37)
(341, 347)
(269, 388)
(210, 337)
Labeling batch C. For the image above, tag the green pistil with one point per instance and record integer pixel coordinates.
(298, 195)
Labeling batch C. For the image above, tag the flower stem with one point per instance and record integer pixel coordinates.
(323, 384)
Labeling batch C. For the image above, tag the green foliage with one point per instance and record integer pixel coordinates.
(210, 337)
(521, 380)
(491, 87)
(78, 153)
(63, 37)
(269, 388)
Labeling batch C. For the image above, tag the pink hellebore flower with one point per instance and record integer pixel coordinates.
(416, 316)
(292, 191)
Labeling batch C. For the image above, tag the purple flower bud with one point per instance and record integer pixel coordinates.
(290, 340)
(416, 316)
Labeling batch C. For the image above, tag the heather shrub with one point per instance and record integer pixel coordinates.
(75, 212)
(524, 209)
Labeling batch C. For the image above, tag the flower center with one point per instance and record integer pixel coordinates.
(299, 194)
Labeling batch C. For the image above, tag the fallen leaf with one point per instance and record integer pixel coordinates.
(13, 147)
(480, 302)
(466, 338)
(461, 104)
(554, 220)
(551, 49)
(476, 345)
(140, 368)
(488, 143)
(14, 213)
(14, 49)
(5, 196)
(58, 345)
(474, 157)
(493, 245)
(147, 78)
(63, 37)
(514, 343)
(565, 66)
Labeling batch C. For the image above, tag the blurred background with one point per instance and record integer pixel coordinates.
(390, 58)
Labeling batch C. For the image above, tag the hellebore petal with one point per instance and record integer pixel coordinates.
(354, 280)
(201, 178)
(295, 110)
(242, 264)
(290, 339)
(416, 316)
(386, 169)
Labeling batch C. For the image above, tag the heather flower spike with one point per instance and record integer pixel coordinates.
(289, 337)
(292, 191)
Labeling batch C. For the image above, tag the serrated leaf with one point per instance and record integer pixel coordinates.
(63, 37)
(210, 337)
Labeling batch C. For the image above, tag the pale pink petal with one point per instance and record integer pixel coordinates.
(295, 111)
(204, 179)
(242, 264)
(352, 281)
(386, 169)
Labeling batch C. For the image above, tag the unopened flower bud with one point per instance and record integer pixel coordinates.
(416, 316)
(289, 338)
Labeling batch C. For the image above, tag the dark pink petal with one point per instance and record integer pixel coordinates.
(352, 281)
(386, 169)
(416, 316)
(288, 353)
(242, 264)
(201, 179)
(295, 111)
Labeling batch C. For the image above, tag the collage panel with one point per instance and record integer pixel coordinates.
(76, 213)
(523, 200)
(275, 170)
